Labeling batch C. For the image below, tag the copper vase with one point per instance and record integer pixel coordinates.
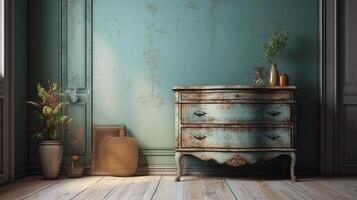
(283, 80)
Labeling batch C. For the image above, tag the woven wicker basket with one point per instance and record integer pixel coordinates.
(122, 156)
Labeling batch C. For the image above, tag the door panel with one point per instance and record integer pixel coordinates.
(76, 129)
(347, 84)
(76, 43)
(350, 128)
(76, 76)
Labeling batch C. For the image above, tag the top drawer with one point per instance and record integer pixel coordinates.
(236, 95)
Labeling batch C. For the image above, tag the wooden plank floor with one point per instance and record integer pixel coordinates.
(165, 188)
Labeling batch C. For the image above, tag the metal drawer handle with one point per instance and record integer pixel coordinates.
(199, 113)
(239, 95)
(273, 137)
(200, 137)
(274, 113)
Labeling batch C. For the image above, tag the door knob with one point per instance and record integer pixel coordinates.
(74, 95)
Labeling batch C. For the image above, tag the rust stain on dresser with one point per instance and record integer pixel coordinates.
(224, 123)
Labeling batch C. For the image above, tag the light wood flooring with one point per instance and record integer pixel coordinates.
(165, 188)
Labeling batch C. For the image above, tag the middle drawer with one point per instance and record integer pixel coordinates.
(247, 113)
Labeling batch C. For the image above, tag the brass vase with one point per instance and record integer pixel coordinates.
(274, 76)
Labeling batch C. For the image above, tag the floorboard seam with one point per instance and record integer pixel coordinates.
(349, 187)
(87, 188)
(114, 188)
(48, 186)
(294, 186)
(225, 180)
(153, 195)
(200, 184)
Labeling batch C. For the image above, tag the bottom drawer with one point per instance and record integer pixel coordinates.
(236, 138)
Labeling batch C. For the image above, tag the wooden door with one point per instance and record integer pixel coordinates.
(347, 85)
(76, 76)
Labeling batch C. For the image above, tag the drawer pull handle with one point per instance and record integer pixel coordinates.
(200, 137)
(274, 113)
(199, 113)
(239, 95)
(273, 137)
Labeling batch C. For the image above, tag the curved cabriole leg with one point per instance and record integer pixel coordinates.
(179, 164)
(292, 166)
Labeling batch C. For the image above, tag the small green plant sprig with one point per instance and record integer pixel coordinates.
(47, 107)
(274, 46)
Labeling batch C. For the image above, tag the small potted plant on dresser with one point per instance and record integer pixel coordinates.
(49, 127)
(272, 50)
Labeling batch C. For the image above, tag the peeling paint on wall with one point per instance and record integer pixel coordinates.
(118, 33)
(152, 58)
(214, 5)
(252, 33)
(193, 5)
(152, 95)
(152, 8)
(151, 26)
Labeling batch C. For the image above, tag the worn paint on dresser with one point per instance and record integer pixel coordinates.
(235, 124)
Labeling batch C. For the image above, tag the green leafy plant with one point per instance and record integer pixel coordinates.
(275, 46)
(48, 110)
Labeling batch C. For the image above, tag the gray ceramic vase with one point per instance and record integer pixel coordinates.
(50, 153)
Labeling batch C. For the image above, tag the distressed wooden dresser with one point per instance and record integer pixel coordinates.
(235, 124)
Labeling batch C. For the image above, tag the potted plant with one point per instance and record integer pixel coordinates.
(49, 128)
(272, 50)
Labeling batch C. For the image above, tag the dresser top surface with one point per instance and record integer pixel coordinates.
(229, 87)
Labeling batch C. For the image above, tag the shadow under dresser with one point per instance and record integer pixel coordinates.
(235, 124)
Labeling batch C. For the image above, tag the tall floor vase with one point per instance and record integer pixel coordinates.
(50, 153)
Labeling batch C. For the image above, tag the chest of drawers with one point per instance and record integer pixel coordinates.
(235, 124)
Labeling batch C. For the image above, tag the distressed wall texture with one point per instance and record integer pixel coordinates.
(141, 49)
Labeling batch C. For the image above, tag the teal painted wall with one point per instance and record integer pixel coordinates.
(141, 49)
(20, 86)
